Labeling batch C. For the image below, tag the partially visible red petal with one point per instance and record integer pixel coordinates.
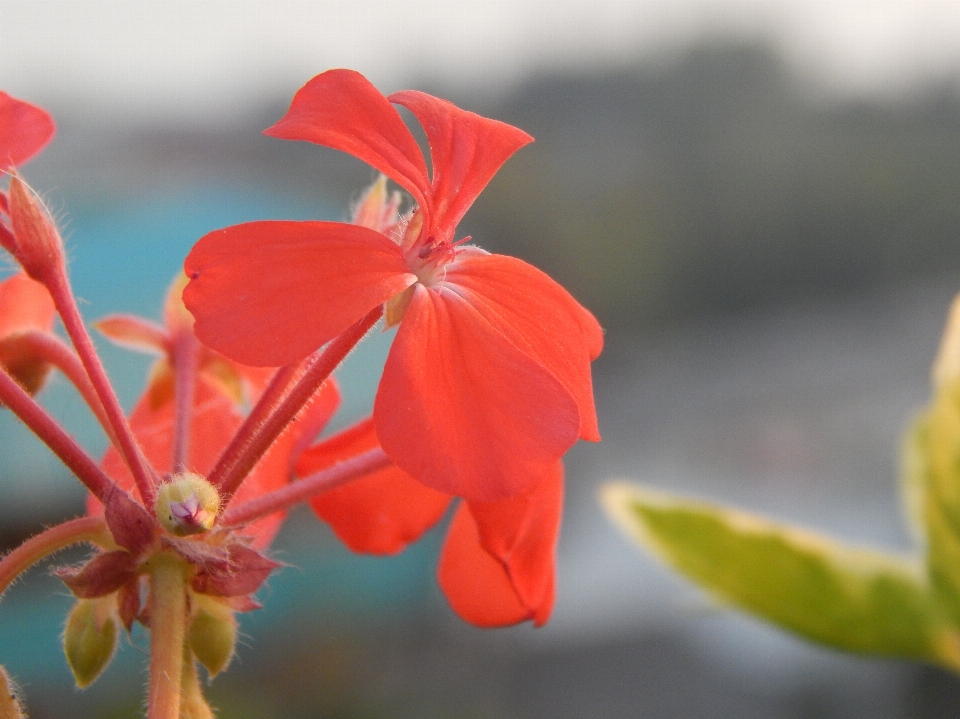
(538, 316)
(343, 110)
(24, 305)
(466, 150)
(24, 130)
(474, 582)
(463, 410)
(270, 293)
(134, 333)
(380, 513)
(521, 532)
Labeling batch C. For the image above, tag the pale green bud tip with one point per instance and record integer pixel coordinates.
(187, 504)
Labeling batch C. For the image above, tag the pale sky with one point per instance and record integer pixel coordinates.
(186, 59)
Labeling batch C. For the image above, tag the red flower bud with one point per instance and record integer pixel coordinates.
(37, 244)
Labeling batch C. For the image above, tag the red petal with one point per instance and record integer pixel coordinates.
(380, 513)
(134, 333)
(463, 410)
(342, 110)
(24, 305)
(270, 293)
(24, 130)
(466, 150)
(538, 316)
(475, 583)
(521, 532)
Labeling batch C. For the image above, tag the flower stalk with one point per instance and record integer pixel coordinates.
(74, 531)
(232, 469)
(16, 399)
(168, 615)
(59, 287)
(307, 488)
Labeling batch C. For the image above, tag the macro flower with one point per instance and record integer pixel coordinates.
(487, 383)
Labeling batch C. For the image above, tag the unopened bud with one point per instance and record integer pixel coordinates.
(213, 633)
(37, 244)
(187, 504)
(90, 638)
(377, 208)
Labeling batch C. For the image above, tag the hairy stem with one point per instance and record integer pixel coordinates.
(307, 488)
(185, 372)
(168, 617)
(16, 399)
(74, 531)
(233, 468)
(51, 349)
(59, 288)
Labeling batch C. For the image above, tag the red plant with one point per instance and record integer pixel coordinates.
(485, 388)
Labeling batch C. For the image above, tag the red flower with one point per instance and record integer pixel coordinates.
(24, 130)
(497, 566)
(488, 381)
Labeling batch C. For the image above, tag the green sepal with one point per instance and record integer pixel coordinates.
(90, 638)
(9, 704)
(853, 599)
(213, 634)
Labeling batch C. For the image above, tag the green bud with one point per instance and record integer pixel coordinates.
(90, 638)
(9, 706)
(213, 634)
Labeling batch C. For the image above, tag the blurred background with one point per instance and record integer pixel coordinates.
(760, 201)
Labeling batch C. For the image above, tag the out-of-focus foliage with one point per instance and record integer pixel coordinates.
(854, 599)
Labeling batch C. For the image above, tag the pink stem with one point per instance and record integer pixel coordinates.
(13, 396)
(307, 488)
(51, 349)
(59, 287)
(185, 372)
(83, 529)
(269, 400)
(232, 468)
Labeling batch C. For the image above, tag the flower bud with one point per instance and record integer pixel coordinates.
(90, 638)
(377, 208)
(9, 704)
(213, 633)
(187, 504)
(37, 244)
